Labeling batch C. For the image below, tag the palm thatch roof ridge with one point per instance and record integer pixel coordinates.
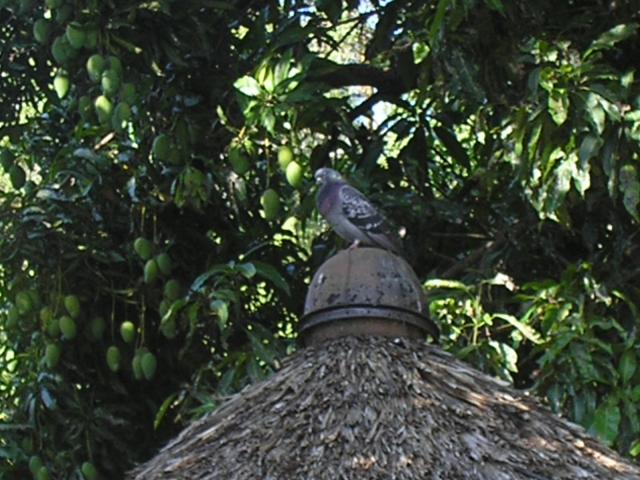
(382, 408)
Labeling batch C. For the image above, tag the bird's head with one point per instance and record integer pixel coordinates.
(326, 175)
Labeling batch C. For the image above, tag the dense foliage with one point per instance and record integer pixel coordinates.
(157, 213)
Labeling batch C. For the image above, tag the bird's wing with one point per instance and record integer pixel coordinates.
(359, 211)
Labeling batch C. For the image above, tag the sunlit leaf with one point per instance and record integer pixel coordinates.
(609, 38)
(248, 86)
(558, 106)
(221, 310)
(447, 284)
(270, 273)
(528, 332)
(162, 411)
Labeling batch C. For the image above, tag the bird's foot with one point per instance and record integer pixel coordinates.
(354, 245)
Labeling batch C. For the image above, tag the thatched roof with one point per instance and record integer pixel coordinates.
(379, 408)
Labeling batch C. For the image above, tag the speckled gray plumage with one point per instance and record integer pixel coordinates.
(351, 215)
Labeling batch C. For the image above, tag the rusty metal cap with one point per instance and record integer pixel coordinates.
(365, 291)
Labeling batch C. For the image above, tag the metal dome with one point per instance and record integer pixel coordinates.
(365, 291)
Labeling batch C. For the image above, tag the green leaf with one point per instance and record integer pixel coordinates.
(606, 422)
(555, 394)
(222, 115)
(630, 188)
(632, 116)
(202, 279)
(225, 384)
(263, 352)
(453, 146)
(496, 5)
(331, 8)
(528, 332)
(594, 112)
(446, 284)
(436, 23)
(627, 366)
(221, 310)
(584, 403)
(558, 106)
(560, 183)
(589, 148)
(609, 38)
(248, 86)
(248, 269)
(164, 408)
(634, 450)
(270, 273)
(508, 355)
(630, 412)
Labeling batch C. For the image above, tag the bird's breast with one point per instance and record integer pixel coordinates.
(324, 201)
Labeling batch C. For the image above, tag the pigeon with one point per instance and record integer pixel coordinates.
(351, 215)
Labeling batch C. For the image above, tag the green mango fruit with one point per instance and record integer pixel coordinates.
(128, 331)
(72, 305)
(113, 358)
(13, 315)
(97, 327)
(115, 64)
(239, 161)
(68, 327)
(110, 82)
(270, 201)
(35, 298)
(149, 364)
(104, 108)
(143, 248)
(136, 366)
(285, 157)
(84, 107)
(52, 354)
(46, 315)
(35, 464)
(42, 30)
(63, 13)
(164, 263)
(122, 112)
(91, 39)
(43, 474)
(169, 329)
(23, 302)
(161, 146)
(75, 35)
(128, 93)
(89, 471)
(294, 174)
(61, 85)
(95, 66)
(17, 176)
(175, 156)
(53, 328)
(150, 271)
(172, 289)
(61, 50)
(164, 306)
